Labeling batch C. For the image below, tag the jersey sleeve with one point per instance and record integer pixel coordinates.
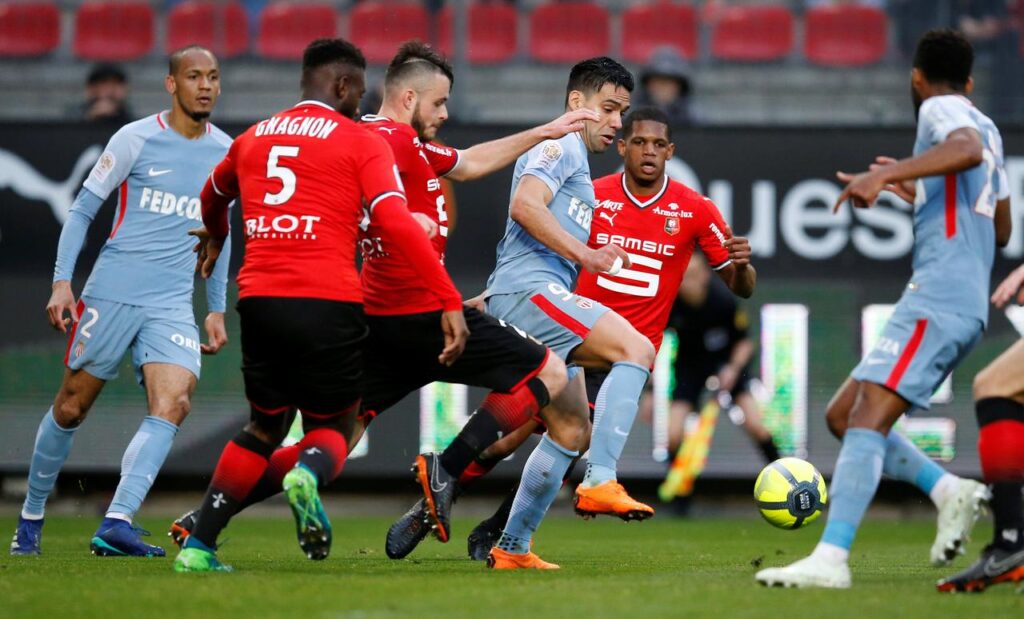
(710, 236)
(443, 159)
(72, 235)
(115, 164)
(379, 176)
(940, 116)
(218, 192)
(550, 162)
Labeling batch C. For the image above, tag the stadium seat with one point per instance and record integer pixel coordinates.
(752, 33)
(221, 27)
(378, 28)
(568, 32)
(286, 29)
(650, 26)
(492, 37)
(30, 29)
(845, 36)
(113, 30)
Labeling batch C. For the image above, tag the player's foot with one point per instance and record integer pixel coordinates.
(408, 531)
(995, 565)
(499, 559)
(438, 490)
(196, 557)
(482, 539)
(610, 498)
(27, 537)
(808, 572)
(119, 538)
(957, 516)
(182, 527)
(312, 527)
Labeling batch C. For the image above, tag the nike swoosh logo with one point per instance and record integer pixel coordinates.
(45, 476)
(995, 568)
(153, 172)
(433, 480)
(620, 432)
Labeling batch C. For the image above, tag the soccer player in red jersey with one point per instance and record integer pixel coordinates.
(659, 222)
(308, 178)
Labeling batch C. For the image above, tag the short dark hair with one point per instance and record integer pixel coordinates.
(649, 113)
(106, 73)
(590, 75)
(174, 60)
(323, 52)
(945, 56)
(415, 57)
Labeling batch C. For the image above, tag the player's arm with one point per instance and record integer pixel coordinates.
(529, 209)
(1004, 223)
(728, 255)
(72, 237)
(489, 157)
(961, 150)
(216, 302)
(220, 190)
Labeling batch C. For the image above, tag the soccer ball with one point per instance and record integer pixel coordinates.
(790, 493)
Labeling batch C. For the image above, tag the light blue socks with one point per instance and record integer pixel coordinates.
(53, 443)
(905, 462)
(542, 477)
(858, 471)
(614, 412)
(140, 465)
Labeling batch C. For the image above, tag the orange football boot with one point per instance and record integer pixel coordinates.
(610, 498)
(499, 559)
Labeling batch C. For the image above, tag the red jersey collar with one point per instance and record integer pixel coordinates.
(649, 201)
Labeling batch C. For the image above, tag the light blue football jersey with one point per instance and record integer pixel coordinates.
(524, 262)
(158, 173)
(954, 225)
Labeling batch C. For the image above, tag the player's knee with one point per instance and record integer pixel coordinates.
(69, 412)
(837, 417)
(571, 432)
(172, 408)
(553, 375)
(639, 350)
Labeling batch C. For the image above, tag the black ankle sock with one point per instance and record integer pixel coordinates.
(479, 433)
(1008, 509)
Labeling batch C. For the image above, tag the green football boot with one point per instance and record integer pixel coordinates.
(312, 527)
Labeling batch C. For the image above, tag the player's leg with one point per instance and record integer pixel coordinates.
(568, 425)
(613, 342)
(999, 404)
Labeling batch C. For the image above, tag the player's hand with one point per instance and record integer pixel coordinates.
(568, 123)
(207, 251)
(1009, 288)
(477, 302)
(738, 248)
(906, 190)
(429, 225)
(61, 300)
(216, 334)
(861, 189)
(601, 260)
(453, 324)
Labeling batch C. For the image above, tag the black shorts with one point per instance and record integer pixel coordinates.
(691, 383)
(593, 380)
(302, 353)
(401, 356)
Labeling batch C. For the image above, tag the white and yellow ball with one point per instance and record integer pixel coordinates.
(790, 493)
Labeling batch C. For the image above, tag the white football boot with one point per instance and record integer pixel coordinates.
(957, 516)
(811, 571)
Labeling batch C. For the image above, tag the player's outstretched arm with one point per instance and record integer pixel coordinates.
(529, 209)
(489, 157)
(72, 237)
(961, 150)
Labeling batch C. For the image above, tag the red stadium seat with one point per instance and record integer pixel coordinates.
(378, 28)
(221, 27)
(568, 32)
(286, 29)
(30, 29)
(650, 26)
(492, 37)
(752, 33)
(846, 36)
(113, 30)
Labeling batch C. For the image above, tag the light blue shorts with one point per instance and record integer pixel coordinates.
(918, 348)
(560, 319)
(107, 329)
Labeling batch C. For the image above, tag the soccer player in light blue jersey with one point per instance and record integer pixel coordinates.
(958, 186)
(138, 298)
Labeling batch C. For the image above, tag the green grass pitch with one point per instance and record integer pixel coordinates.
(660, 568)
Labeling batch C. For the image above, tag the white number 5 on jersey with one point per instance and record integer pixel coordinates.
(283, 173)
(648, 282)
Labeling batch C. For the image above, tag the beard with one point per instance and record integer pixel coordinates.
(416, 122)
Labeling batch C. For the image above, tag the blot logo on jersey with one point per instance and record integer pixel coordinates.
(167, 203)
(301, 227)
(672, 226)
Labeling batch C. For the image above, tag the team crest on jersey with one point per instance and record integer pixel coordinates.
(79, 349)
(584, 304)
(672, 226)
